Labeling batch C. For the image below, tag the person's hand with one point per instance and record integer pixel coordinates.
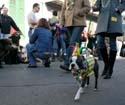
(1, 7)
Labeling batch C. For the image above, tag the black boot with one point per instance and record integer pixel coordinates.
(105, 58)
(112, 59)
(47, 63)
(1, 64)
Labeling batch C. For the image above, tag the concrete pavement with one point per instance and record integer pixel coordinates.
(20, 85)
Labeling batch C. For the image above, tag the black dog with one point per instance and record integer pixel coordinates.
(12, 57)
(81, 69)
(5, 47)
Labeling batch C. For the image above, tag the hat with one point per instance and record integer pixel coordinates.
(76, 50)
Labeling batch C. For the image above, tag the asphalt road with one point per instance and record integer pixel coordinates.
(20, 85)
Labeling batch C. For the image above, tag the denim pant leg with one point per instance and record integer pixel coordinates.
(7, 36)
(101, 42)
(30, 32)
(42, 55)
(112, 43)
(55, 45)
(1, 36)
(30, 56)
(75, 34)
(4, 35)
(62, 42)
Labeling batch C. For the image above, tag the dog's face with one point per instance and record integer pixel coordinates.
(76, 63)
(77, 66)
(15, 38)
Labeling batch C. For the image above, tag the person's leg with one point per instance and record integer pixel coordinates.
(119, 46)
(112, 56)
(103, 51)
(1, 63)
(63, 45)
(55, 46)
(30, 56)
(75, 33)
(31, 30)
(45, 57)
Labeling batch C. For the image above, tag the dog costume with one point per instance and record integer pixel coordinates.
(82, 66)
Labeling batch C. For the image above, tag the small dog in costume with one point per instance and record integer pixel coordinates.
(82, 66)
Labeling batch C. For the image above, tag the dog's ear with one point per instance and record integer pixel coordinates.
(79, 61)
(83, 58)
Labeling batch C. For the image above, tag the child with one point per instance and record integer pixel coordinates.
(59, 40)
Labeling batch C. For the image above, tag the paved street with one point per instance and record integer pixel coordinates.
(20, 85)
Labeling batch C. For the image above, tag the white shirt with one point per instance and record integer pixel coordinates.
(31, 16)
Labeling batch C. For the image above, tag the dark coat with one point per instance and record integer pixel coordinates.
(6, 23)
(110, 19)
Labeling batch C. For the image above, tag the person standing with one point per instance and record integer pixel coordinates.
(109, 25)
(6, 23)
(0, 17)
(73, 17)
(32, 20)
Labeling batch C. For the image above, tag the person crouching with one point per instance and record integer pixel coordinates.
(40, 45)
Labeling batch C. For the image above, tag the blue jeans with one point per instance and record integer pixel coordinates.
(4, 35)
(30, 32)
(62, 43)
(32, 55)
(102, 44)
(75, 34)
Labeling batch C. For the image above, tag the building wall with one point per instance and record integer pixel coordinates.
(17, 11)
(42, 13)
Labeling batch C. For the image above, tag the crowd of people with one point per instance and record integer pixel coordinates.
(60, 33)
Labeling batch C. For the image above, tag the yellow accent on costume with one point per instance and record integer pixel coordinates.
(114, 19)
(89, 62)
(76, 50)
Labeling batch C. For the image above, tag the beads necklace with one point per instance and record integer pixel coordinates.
(105, 3)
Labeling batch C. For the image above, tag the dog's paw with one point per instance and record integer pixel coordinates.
(76, 98)
(81, 90)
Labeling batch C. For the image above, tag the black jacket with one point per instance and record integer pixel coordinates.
(6, 23)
